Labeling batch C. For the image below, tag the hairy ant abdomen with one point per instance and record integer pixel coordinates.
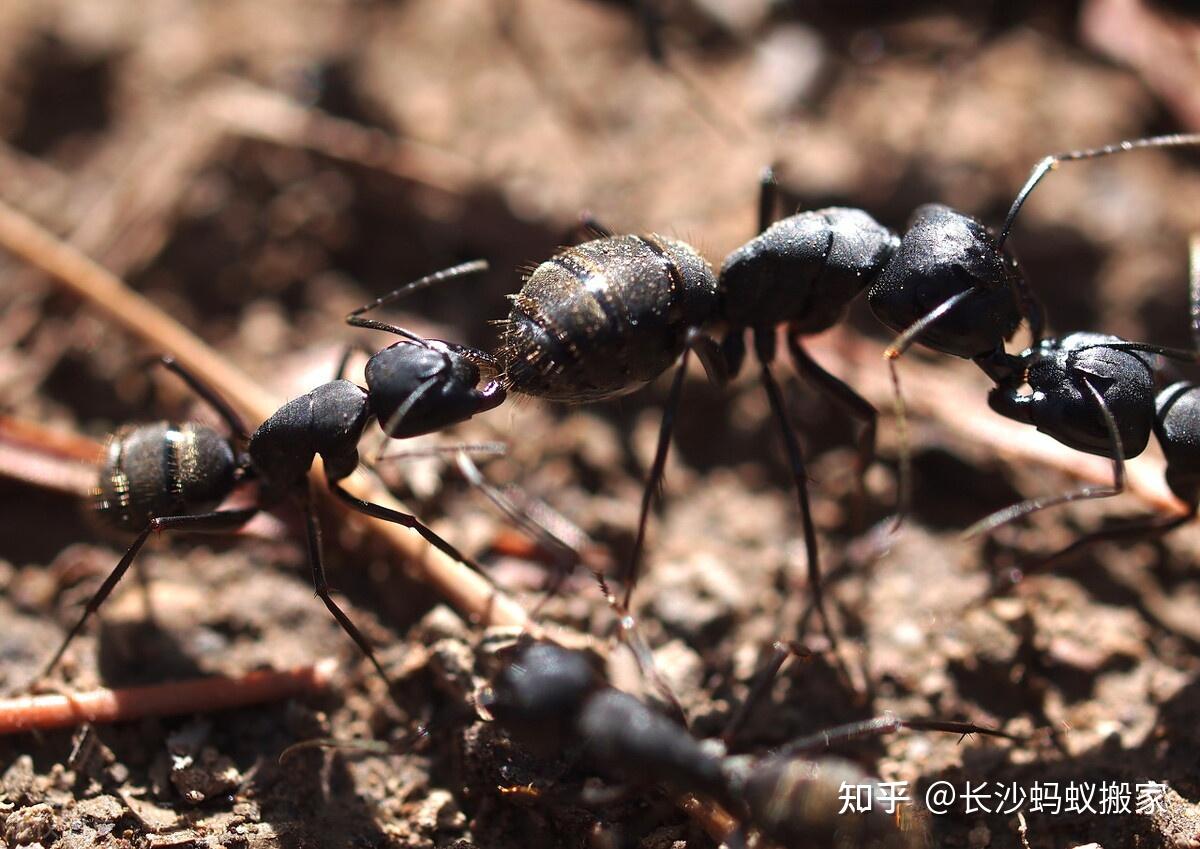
(163, 469)
(799, 803)
(602, 318)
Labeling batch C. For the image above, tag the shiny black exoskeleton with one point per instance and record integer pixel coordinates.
(162, 477)
(548, 699)
(1177, 426)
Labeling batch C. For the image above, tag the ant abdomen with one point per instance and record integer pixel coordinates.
(804, 269)
(602, 318)
(1065, 376)
(162, 469)
(1176, 426)
(798, 802)
(328, 421)
(945, 253)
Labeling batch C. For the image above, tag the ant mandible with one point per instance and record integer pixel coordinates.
(169, 477)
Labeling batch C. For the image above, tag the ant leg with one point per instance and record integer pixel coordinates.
(1024, 508)
(1194, 287)
(354, 318)
(570, 555)
(650, 16)
(321, 584)
(853, 404)
(566, 555)
(764, 346)
(1148, 527)
(767, 198)
(407, 520)
(879, 725)
(899, 345)
(710, 356)
(236, 426)
(344, 360)
(1051, 162)
(760, 684)
(1031, 308)
(221, 521)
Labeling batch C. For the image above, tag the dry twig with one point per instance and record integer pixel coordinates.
(198, 695)
(51, 459)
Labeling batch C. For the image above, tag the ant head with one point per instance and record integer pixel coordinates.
(1070, 379)
(541, 682)
(946, 253)
(1175, 425)
(423, 386)
(539, 692)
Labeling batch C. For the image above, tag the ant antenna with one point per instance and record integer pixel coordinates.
(393, 423)
(885, 724)
(477, 266)
(493, 448)
(372, 747)
(1051, 162)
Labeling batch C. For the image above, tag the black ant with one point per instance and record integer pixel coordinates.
(1096, 394)
(548, 698)
(168, 477)
(601, 318)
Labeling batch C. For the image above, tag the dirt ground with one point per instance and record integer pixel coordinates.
(148, 136)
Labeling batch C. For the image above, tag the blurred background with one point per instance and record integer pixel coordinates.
(261, 168)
